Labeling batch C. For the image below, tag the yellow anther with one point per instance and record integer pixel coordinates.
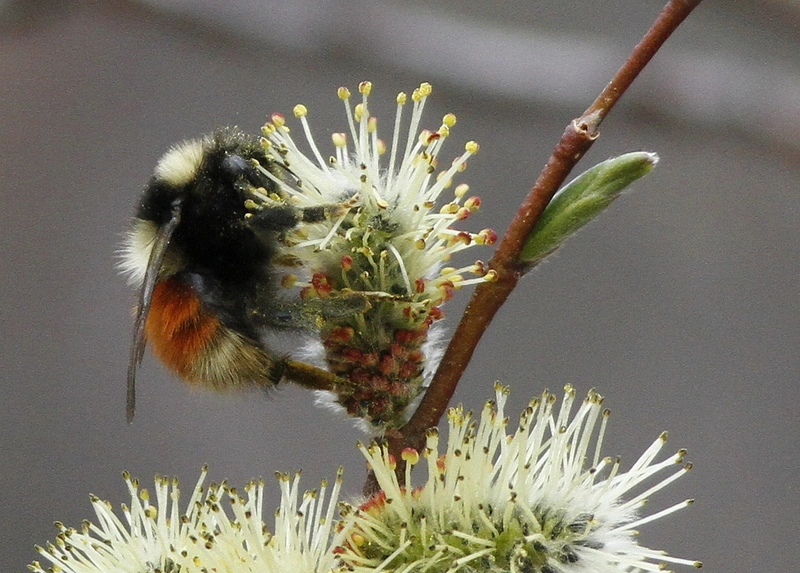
(425, 89)
(473, 204)
(410, 455)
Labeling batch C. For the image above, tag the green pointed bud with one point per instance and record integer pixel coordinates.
(583, 199)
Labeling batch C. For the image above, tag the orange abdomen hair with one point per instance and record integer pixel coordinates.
(179, 331)
(196, 345)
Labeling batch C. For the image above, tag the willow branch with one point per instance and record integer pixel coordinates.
(489, 297)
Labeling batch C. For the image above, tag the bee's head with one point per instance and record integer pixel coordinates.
(215, 171)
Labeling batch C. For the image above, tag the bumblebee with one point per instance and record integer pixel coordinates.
(205, 265)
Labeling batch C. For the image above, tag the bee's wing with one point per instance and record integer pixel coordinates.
(145, 298)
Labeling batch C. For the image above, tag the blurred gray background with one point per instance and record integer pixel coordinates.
(680, 305)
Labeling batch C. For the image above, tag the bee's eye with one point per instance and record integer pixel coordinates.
(237, 167)
(240, 169)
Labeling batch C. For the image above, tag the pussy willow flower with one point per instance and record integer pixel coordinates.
(396, 231)
(538, 500)
(219, 531)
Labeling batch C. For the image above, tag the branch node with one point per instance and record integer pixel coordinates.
(587, 125)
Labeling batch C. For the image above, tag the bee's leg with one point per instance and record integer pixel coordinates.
(309, 314)
(338, 305)
(320, 213)
(276, 218)
(281, 217)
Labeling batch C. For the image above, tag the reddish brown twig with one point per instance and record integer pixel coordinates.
(489, 297)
